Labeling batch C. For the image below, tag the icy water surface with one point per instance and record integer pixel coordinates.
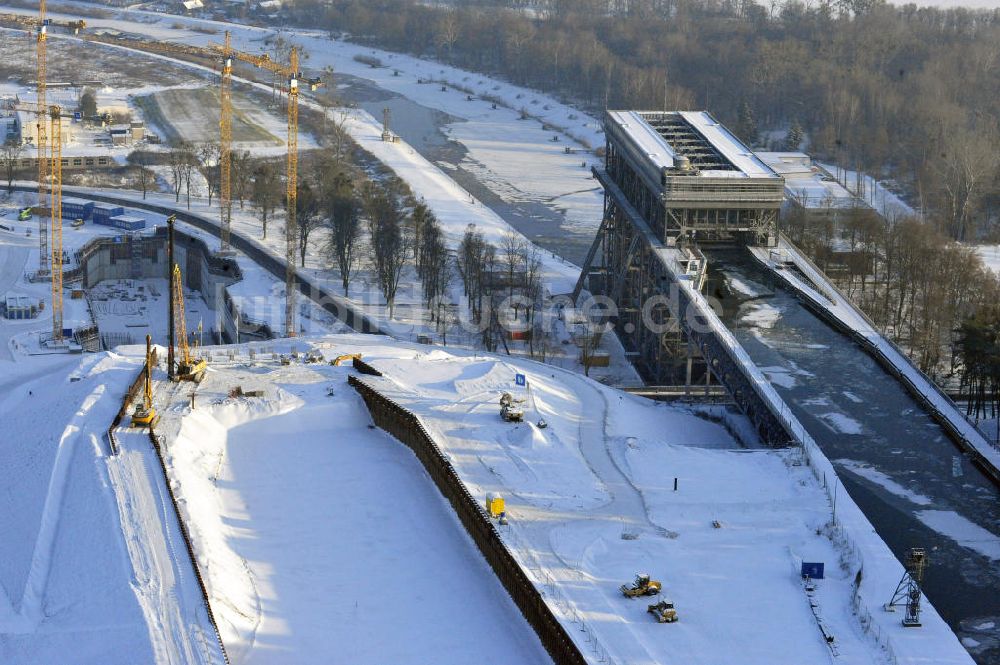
(900, 467)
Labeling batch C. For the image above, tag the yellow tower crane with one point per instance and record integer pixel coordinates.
(188, 368)
(294, 78)
(55, 215)
(226, 144)
(54, 116)
(40, 142)
(40, 25)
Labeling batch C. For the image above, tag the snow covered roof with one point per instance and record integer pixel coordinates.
(697, 137)
(807, 184)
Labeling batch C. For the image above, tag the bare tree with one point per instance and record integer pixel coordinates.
(345, 228)
(207, 154)
(265, 191)
(241, 174)
(139, 159)
(388, 245)
(307, 209)
(10, 158)
(177, 160)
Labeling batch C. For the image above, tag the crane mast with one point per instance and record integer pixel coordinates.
(226, 145)
(55, 212)
(40, 52)
(294, 77)
(291, 193)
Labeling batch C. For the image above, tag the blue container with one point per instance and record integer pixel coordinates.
(127, 223)
(812, 570)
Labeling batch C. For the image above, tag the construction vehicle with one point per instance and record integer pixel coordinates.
(663, 611)
(641, 586)
(336, 362)
(24, 214)
(188, 368)
(509, 409)
(144, 414)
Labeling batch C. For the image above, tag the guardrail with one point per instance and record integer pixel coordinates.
(409, 430)
(863, 338)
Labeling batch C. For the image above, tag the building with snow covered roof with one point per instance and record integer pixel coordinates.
(810, 187)
(690, 177)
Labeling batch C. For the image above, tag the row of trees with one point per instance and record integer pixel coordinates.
(914, 282)
(978, 348)
(905, 92)
(499, 282)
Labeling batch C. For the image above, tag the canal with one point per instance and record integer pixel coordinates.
(895, 461)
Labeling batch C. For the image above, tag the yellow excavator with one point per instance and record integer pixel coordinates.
(641, 586)
(336, 362)
(145, 414)
(188, 368)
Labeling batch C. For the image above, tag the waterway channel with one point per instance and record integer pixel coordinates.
(895, 461)
(423, 128)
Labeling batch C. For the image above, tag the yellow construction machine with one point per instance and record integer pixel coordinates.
(347, 356)
(144, 414)
(188, 368)
(663, 611)
(641, 586)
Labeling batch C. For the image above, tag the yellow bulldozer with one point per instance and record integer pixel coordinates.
(663, 611)
(641, 586)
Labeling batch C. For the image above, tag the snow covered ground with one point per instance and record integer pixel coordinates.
(580, 534)
(68, 589)
(990, 254)
(321, 538)
(876, 194)
(498, 142)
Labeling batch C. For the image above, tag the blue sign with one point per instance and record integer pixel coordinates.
(119, 239)
(813, 571)
(519, 380)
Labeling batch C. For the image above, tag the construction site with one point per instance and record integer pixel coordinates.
(700, 450)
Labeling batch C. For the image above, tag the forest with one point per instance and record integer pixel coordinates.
(908, 95)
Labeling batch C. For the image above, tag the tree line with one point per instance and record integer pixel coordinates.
(898, 92)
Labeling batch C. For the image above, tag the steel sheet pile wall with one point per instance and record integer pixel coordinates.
(407, 428)
(127, 401)
(187, 543)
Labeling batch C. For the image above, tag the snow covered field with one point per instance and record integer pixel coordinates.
(591, 502)
(66, 581)
(324, 540)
